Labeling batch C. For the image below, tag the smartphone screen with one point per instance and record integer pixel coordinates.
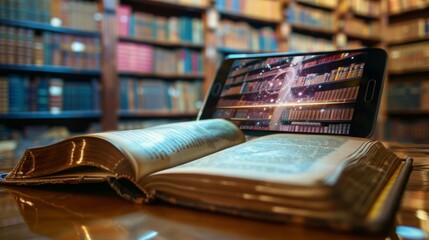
(321, 93)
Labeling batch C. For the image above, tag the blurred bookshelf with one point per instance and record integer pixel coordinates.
(129, 63)
(408, 89)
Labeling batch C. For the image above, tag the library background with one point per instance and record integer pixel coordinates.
(77, 66)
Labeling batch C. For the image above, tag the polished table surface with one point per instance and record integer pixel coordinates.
(96, 212)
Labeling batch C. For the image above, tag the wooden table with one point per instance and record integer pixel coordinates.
(96, 212)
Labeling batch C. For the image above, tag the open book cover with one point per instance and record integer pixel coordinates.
(341, 182)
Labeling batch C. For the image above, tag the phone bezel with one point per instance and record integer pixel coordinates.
(365, 114)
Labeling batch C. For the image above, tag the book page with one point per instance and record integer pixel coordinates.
(283, 158)
(161, 147)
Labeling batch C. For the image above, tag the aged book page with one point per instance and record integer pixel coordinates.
(283, 158)
(133, 153)
(165, 146)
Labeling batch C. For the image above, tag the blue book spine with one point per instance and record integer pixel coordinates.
(16, 94)
(132, 26)
(43, 95)
(95, 91)
(123, 93)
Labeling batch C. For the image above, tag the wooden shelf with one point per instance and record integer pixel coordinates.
(366, 16)
(313, 30)
(408, 113)
(49, 69)
(50, 28)
(49, 115)
(162, 43)
(408, 41)
(411, 12)
(166, 5)
(315, 5)
(248, 18)
(166, 76)
(420, 69)
(363, 38)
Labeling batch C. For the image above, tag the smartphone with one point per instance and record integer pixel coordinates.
(334, 92)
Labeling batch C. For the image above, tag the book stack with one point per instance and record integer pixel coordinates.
(133, 57)
(412, 131)
(408, 96)
(146, 26)
(44, 94)
(146, 95)
(70, 50)
(362, 28)
(366, 8)
(303, 43)
(408, 30)
(75, 14)
(262, 9)
(398, 6)
(242, 36)
(16, 45)
(305, 16)
(409, 57)
(22, 47)
(35, 11)
(142, 58)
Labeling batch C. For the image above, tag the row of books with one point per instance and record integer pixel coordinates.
(260, 87)
(142, 25)
(362, 28)
(410, 95)
(76, 14)
(398, 6)
(253, 113)
(340, 73)
(366, 7)
(250, 70)
(303, 43)
(413, 131)
(142, 58)
(44, 94)
(264, 9)
(23, 46)
(297, 14)
(17, 45)
(318, 114)
(343, 128)
(340, 94)
(313, 61)
(146, 95)
(406, 30)
(242, 36)
(409, 57)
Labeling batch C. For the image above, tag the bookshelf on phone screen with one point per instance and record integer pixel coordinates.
(324, 93)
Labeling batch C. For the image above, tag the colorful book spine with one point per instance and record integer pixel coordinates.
(242, 36)
(297, 14)
(409, 57)
(148, 95)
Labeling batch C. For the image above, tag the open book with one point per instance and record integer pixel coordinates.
(342, 182)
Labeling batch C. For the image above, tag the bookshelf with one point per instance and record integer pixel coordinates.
(310, 25)
(50, 65)
(160, 63)
(309, 104)
(173, 47)
(408, 89)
